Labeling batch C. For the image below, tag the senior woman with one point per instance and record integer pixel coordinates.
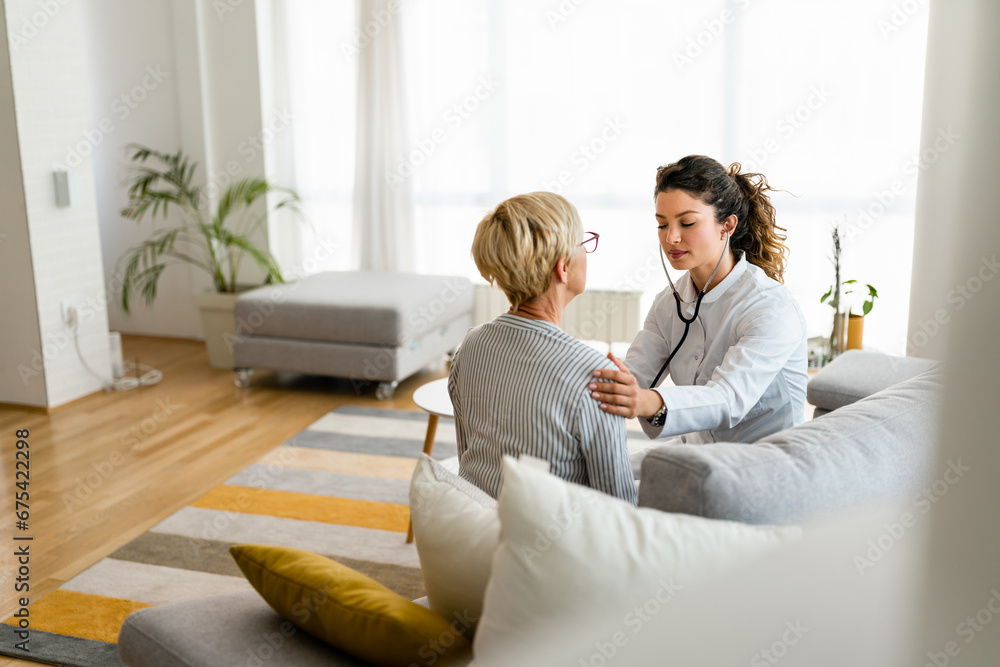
(519, 383)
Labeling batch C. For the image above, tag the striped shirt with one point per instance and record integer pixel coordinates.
(519, 386)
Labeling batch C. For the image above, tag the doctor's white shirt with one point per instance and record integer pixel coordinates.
(741, 373)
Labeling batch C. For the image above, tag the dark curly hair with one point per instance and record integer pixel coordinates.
(731, 192)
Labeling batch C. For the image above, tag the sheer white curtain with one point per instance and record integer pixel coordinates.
(316, 56)
(383, 205)
(509, 96)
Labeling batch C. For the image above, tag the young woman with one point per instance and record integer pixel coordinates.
(729, 334)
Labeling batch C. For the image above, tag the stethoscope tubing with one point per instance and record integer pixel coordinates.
(697, 307)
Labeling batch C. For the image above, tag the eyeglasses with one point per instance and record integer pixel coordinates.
(590, 241)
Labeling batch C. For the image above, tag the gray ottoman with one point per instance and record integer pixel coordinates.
(363, 325)
(856, 374)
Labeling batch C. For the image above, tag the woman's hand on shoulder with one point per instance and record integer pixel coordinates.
(619, 394)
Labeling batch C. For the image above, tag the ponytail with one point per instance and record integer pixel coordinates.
(761, 239)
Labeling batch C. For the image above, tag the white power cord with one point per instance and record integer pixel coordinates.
(149, 374)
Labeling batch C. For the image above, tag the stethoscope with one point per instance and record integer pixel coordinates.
(697, 306)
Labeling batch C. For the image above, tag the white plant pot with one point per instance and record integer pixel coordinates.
(218, 325)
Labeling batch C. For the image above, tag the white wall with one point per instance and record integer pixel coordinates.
(205, 100)
(47, 73)
(85, 80)
(132, 81)
(19, 321)
(963, 568)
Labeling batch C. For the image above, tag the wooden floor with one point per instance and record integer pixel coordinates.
(107, 467)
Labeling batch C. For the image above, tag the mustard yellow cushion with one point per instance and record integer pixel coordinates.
(348, 610)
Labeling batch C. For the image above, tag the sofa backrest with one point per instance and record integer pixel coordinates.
(879, 447)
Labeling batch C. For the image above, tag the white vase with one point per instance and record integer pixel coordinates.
(218, 326)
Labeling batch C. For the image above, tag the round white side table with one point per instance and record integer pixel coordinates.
(433, 399)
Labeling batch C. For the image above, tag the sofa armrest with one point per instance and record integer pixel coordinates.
(856, 374)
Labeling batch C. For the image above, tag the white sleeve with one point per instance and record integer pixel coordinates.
(764, 345)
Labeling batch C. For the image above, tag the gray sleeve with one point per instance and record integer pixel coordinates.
(604, 445)
(456, 405)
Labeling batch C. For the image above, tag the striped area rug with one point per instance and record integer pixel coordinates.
(339, 488)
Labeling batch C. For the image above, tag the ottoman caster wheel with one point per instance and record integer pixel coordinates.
(242, 379)
(385, 390)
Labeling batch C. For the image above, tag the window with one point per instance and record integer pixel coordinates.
(587, 99)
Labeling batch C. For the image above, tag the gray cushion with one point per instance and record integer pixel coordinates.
(859, 373)
(879, 447)
(366, 307)
(232, 629)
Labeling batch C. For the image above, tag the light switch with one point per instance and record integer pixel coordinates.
(67, 187)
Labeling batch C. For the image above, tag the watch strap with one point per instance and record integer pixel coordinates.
(659, 418)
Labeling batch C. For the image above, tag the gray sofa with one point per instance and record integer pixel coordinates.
(874, 439)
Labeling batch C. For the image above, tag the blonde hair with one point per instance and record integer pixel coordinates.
(518, 243)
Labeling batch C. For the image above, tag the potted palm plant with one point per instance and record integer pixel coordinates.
(217, 244)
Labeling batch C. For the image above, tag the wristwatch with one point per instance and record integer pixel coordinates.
(659, 418)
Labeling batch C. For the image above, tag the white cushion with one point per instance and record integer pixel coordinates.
(570, 557)
(456, 528)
